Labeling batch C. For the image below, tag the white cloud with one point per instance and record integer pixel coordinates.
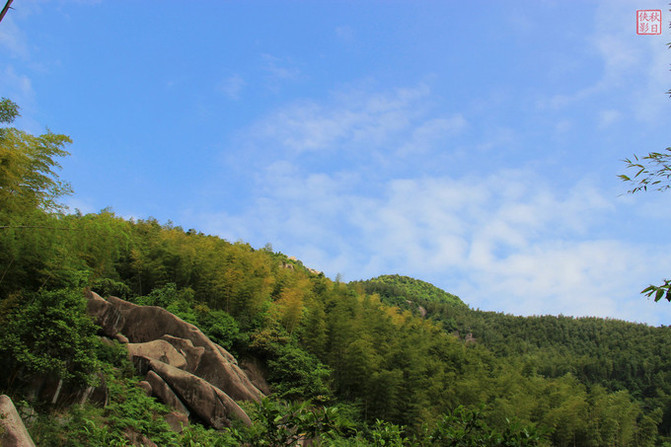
(608, 117)
(497, 137)
(279, 70)
(232, 86)
(431, 133)
(19, 88)
(13, 39)
(74, 203)
(650, 100)
(563, 126)
(355, 124)
(503, 242)
(17, 85)
(633, 67)
(577, 277)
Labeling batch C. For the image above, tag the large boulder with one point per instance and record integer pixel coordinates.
(177, 421)
(209, 403)
(141, 324)
(183, 367)
(14, 433)
(138, 439)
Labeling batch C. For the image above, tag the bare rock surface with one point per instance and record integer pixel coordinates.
(191, 353)
(177, 421)
(50, 388)
(138, 439)
(159, 350)
(205, 400)
(107, 316)
(163, 391)
(146, 387)
(227, 376)
(142, 324)
(14, 433)
(255, 371)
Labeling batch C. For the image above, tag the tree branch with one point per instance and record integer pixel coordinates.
(5, 9)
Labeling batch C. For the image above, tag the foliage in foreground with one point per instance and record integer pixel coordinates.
(49, 334)
(651, 171)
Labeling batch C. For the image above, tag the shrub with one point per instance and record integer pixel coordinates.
(50, 334)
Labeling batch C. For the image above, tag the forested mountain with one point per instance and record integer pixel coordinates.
(616, 355)
(387, 361)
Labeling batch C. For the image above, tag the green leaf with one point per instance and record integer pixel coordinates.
(659, 294)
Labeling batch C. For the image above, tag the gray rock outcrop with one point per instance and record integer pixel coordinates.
(185, 369)
(209, 403)
(14, 432)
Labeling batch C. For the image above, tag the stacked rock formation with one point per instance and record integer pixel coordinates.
(182, 367)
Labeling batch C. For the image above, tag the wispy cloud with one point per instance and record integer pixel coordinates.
(19, 88)
(636, 65)
(279, 71)
(432, 133)
(18, 85)
(505, 241)
(232, 86)
(354, 123)
(608, 117)
(348, 184)
(13, 39)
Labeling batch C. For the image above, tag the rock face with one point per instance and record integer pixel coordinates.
(255, 371)
(186, 370)
(14, 433)
(205, 400)
(158, 349)
(177, 421)
(163, 391)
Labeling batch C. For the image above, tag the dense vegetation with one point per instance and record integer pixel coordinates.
(389, 361)
(615, 354)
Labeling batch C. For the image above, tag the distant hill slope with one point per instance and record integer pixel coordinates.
(612, 353)
(397, 290)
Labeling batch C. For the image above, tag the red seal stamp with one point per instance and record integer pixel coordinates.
(649, 21)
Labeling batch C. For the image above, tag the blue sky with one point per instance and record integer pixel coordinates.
(474, 145)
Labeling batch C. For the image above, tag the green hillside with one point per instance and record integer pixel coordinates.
(397, 290)
(617, 355)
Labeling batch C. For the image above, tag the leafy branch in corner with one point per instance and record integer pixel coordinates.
(659, 291)
(652, 170)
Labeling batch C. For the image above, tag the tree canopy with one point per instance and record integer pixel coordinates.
(28, 165)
